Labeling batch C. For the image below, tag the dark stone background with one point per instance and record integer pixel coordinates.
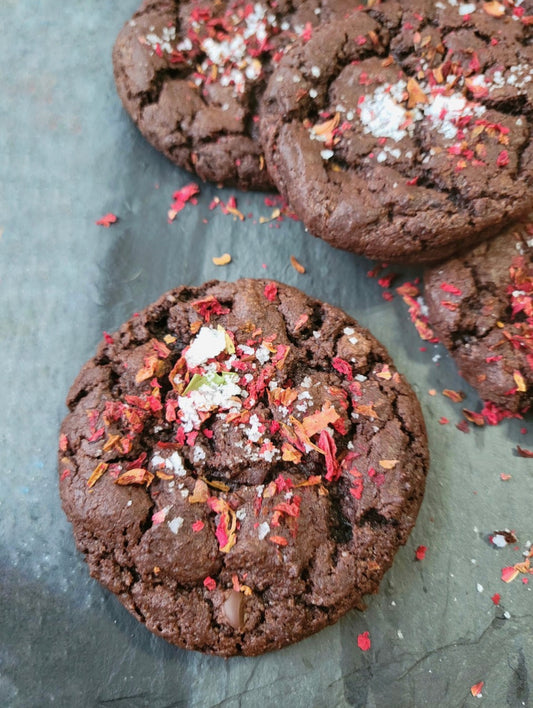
(68, 155)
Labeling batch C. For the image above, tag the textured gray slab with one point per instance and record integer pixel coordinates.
(69, 155)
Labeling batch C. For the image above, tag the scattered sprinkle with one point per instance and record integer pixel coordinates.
(363, 641)
(298, 267)
(420, 553)
(476, 689)
(222, 260)
(180, 199)
(107, 220)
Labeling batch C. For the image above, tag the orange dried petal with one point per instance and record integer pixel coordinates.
(290, 453)
(222, 260)
(136, 476)
(416, 95)
(519, 381)
(388, 464)
(328, 126)
(455, 396)
(200, 492)
(99, 470)
(298, 267)
(319, 420)
(494, 8)
(278, 540)
(475, 690)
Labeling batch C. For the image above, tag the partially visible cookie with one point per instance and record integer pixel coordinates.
(404, 132)
(191, 75)
(240, 463)
(481, 307)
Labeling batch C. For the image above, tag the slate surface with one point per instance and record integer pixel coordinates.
(69, 154)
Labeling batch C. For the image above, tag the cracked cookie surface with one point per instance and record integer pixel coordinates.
(403, 132)
(481, 306)
(240, 464)
(191, 76)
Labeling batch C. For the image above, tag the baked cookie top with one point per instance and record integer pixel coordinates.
(481, 306)
(191, 75)
(404, 132)
(240, 464)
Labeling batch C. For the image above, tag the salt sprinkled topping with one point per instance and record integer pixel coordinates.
(211, 394)
(467, 8)
(174, 463)
(245, 349)
(176, 524)
(262, 354)
(499, 540)
(263, 530)
(198, 454)
(382, 115)
(445, 110)
(208, 344)
(348, 331)
(253, 433)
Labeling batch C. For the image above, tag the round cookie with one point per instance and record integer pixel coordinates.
(403, 132)
(191, 75)
(240, 464)
(481, 306)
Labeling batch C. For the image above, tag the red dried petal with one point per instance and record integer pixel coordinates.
(209, 583)
(343, 367)
(328, 447)
(159, 516)
(502, 159)
(449, 288)
(475, 690)
(420, 552)
(107, 220)
(509, 574)
(181, 197)
(271, 291)
(523, 452)
(208, 306)
(363, 641)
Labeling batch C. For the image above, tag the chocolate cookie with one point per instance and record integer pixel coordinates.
(191, 75)
(240, 464)
(481, 306)
(404, 132)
